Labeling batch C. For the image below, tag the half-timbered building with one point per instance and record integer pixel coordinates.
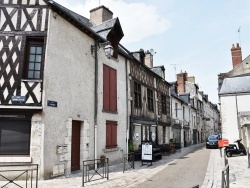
(150, 101)
(62, 98)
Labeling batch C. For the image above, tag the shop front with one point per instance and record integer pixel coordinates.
(143, 130)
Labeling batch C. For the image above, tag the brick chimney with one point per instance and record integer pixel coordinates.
(181, 79)
(148, 59)
(100, 14)
(236, 55)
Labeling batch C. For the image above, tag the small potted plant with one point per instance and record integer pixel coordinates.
(102, 157)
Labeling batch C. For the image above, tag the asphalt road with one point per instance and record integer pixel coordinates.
(185, 172)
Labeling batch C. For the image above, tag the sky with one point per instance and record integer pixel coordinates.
(195, 36)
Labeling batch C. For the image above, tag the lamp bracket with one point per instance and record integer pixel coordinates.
(97, 46)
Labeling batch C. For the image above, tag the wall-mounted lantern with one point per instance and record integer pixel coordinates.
(108, 49)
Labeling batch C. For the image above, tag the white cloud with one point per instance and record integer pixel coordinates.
(138, 20)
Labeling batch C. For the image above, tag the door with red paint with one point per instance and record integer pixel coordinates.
(75, 145)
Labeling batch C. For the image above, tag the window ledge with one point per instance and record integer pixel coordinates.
(15, 159)
(111, 112)
(31, 80)
(111, 150)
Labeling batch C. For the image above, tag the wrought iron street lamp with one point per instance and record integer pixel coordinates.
(108, 49)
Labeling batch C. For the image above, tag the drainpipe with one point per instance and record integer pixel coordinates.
(171, 115)
(96, 102)
(127, 126)
(237, 111)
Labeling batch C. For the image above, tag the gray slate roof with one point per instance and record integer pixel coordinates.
(81, 19)
(101, 31)
(233, 85)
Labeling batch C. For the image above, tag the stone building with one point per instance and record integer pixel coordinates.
(234, 92)
(149, 106)
(203, 114)
(62, 96)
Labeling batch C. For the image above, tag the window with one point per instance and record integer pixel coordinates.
(34, 58)
(163, 104)
(109, 89)
(150, 100)
(111, 134)
(137, 94)
(15, 137)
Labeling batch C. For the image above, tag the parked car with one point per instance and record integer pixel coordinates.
(212, 141)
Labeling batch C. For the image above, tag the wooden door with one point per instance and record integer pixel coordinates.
(184, 138)
(75, 145)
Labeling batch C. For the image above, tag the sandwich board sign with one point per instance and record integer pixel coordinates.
(147, 152)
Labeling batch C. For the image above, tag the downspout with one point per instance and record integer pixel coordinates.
(171, 115)
(96, 102)
(127, 126)
(239, 128)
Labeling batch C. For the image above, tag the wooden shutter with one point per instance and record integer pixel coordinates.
(108, 135)
(106, 88)
(111, 134)
(113, 90)
(114, 135)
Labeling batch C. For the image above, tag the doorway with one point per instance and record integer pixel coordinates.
(75, 145)
(184, 138)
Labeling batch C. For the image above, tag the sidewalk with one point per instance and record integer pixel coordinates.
(130, 178)
(239, 173)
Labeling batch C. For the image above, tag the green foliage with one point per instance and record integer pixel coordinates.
(173, 140)
(130, 146)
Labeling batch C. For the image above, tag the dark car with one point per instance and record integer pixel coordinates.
(212, 141)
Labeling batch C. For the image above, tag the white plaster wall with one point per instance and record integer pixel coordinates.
(229, 118)
(114, 156)
(243, 103)
(186, 115)
(179, 106)
(243, 106)
(68, 80)
(229, 115)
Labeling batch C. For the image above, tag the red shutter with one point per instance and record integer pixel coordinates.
(108, 135)
(111, 134)
(113, 90)
(106, 88)
(114, 135)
